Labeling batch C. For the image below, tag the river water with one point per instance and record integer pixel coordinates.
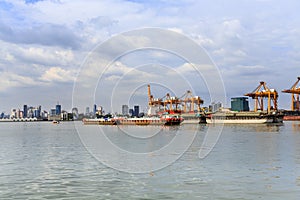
(40, 160)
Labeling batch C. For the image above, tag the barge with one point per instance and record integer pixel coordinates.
(248, 117)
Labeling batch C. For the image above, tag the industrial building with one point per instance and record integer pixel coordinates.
(240, 104)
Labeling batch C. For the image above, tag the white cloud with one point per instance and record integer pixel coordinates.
(192, 68)
(50, 56)
(10, 80)
(57, 74)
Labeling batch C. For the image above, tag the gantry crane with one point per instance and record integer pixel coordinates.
(295, 91)
(261, 92)
(172, 104)
(189, 101)
(153, 101)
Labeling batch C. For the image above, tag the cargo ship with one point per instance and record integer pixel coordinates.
(100, 121)
(167, 120)
(231, 117)
(140, 121)
(193, 118)
(291, 115)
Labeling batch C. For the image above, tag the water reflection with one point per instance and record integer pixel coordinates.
(296, 126)
(275, 128)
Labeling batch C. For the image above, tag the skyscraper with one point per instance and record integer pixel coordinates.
(87, 110)
(136, 110)
(124, 109)
(214, 107)
(25, 111)
(131, 112)
(75, 113)
(95, 109)
(58, 109)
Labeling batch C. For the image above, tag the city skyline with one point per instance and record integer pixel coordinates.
(58, 109)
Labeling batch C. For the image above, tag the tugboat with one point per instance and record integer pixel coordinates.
(55, 122)
(172, 119)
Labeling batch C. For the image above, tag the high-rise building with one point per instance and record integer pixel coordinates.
(136, 110)
(239, 104)
(52, 112)
(95, 109)
(58, 109)
(131, 112)
(214, 107)
(75, 113)
(87, 110)
(36, 113)
(25, 109)
(124, 109)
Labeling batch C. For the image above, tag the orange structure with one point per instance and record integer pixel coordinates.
(295, 91)
(173, 104)
(190, 101)
(261, 92)
(152, 101)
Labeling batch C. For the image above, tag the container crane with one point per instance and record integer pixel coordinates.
(172, 104)
(153, 101)
(261, 92)
(295, 91)
(189, 102)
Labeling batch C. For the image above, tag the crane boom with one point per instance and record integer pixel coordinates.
(261, 92)
(295, 91)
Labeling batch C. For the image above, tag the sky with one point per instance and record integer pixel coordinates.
(47, 45)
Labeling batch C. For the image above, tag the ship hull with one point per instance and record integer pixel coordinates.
(244, 118)
(165, 120)
(140, 121)
(239, 121)
(191, 121)
(99, 122)
(291, 116)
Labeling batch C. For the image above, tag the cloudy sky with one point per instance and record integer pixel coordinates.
(45, 46)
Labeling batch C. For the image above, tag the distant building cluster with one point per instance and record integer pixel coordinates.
(35, 113)
(214, 107)
(31, 113)
(132, 112)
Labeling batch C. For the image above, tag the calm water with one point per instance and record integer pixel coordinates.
(46, 161)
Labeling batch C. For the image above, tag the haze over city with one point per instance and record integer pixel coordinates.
(44, 45)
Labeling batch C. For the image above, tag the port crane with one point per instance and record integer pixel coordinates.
(190, 101)
(154, 101)
(295, 91)
(173, 104)
(261, 92)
